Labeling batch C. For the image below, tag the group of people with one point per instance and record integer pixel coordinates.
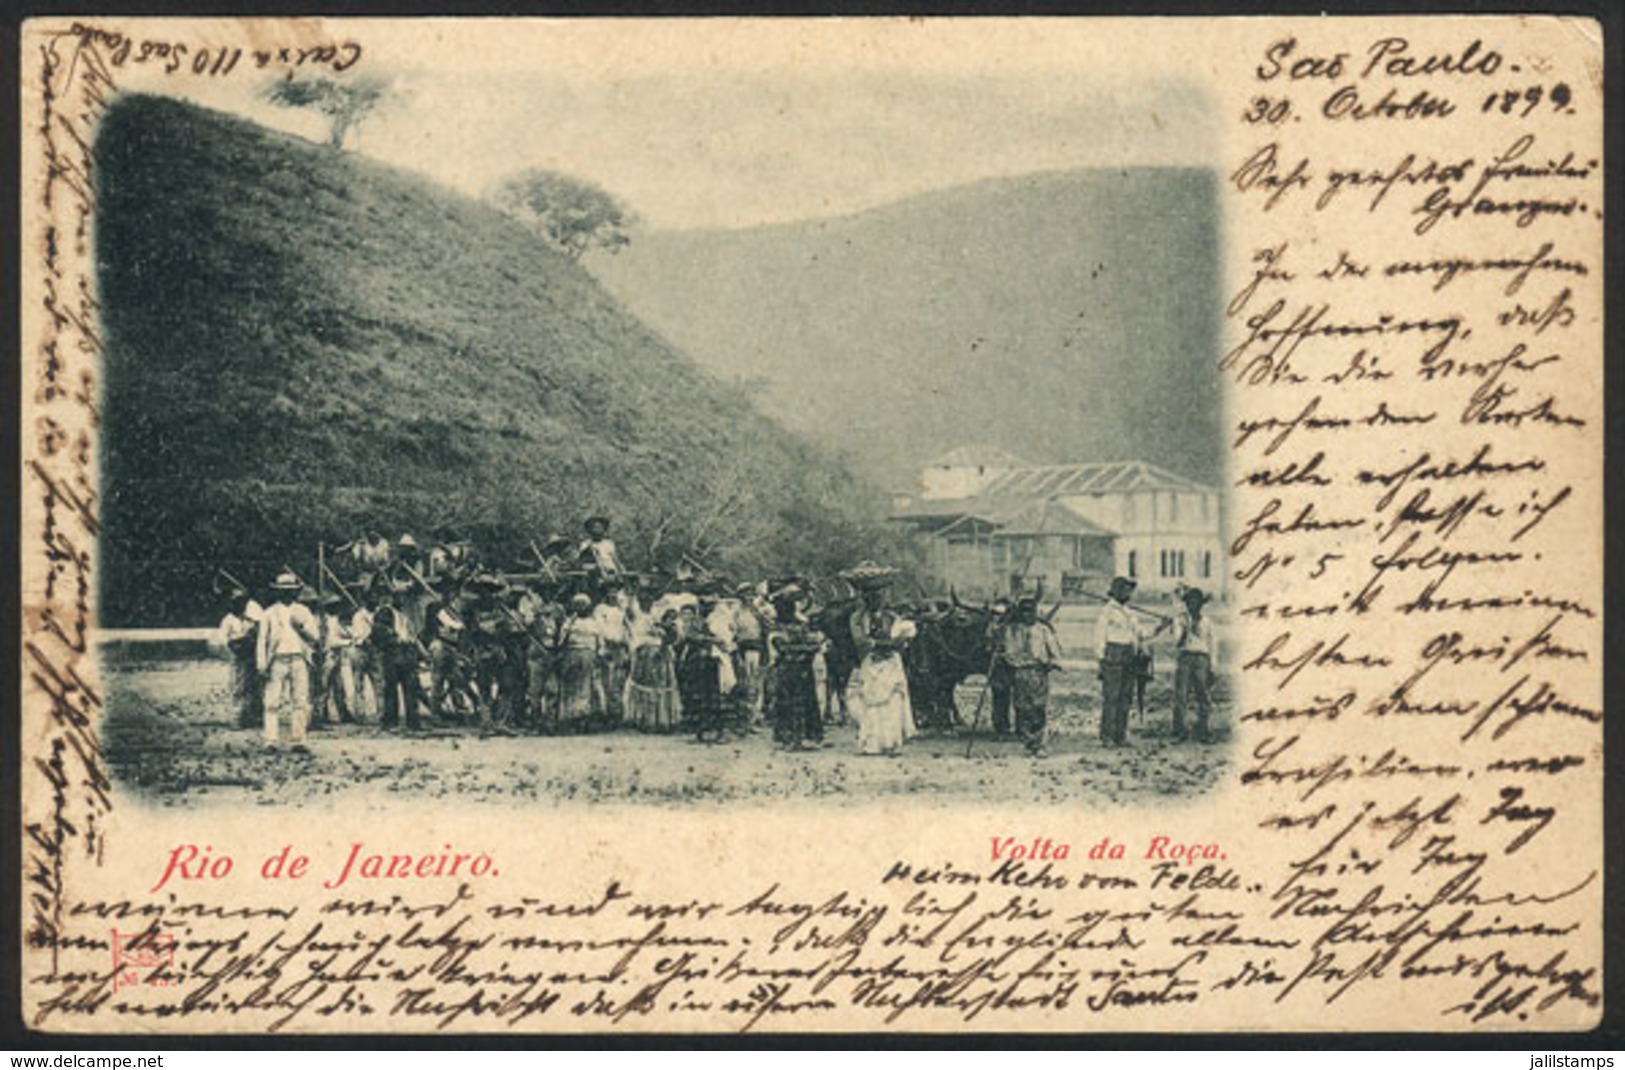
(1026, 650)
(407, 639)
(392, 635)
(1122, 647)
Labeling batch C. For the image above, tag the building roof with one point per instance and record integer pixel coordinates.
(977, 457)
(1008, 517)
(1061, 480)
(1048, 518)
(977, 526)
(1022, 501)
(925, 510)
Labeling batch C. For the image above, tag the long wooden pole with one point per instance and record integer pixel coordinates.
(545, 563)
(1131, 609)
(239, 583)
(348, 597)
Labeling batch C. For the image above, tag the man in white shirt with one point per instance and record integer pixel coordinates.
(288, 634)
(597, 551)
(371, 553)
(1118, 642)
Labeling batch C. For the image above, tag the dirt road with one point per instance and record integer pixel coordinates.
(170, 739)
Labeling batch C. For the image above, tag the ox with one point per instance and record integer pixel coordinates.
(954, 642)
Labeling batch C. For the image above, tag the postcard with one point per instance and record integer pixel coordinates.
(674, 525)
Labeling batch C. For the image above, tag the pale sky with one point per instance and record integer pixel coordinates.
(731, 123)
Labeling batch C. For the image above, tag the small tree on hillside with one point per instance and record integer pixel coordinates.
(345, 103)
(569, 214)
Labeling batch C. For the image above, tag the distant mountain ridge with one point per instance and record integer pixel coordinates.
(1062, 316)
(301, 344)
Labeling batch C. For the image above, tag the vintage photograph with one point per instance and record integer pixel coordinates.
(662, 434)
(909, 526)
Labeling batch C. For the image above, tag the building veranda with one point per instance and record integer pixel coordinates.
(988, 524)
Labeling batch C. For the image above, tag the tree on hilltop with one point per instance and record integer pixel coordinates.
(344, 103)
(568, 213)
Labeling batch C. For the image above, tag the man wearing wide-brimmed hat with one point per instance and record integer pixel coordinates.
(1193, 674)
(1119, 640)
(407, 549)
(288, 635)
(597, 552)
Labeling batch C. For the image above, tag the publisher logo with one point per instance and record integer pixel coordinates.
(135, 954)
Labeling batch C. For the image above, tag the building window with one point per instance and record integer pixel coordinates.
(1181, 563)
(1162, 562)
(1133, 564)
(1207, 562)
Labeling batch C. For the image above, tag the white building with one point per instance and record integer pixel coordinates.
(990, 525)
(962, 473)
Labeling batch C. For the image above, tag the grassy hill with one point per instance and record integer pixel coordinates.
(301, 344)
(1062, 316)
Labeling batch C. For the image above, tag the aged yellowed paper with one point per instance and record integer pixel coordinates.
(798, 525)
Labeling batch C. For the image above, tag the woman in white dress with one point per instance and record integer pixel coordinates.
(880, 684)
